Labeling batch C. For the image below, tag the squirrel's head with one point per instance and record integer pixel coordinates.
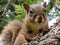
(36, 16)
(36, 12)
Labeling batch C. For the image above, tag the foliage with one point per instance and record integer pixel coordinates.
(19, 10)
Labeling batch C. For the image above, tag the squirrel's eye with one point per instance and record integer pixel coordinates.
(31, 12)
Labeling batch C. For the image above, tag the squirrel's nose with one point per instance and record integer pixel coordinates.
(38, 19)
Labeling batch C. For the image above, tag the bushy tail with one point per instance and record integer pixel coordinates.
(10, 31)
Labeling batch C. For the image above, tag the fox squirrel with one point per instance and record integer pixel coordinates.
(35, 21)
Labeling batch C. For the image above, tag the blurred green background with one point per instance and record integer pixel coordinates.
(13, 9)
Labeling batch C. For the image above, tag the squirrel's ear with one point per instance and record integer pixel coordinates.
(26, 6)
(44, 4)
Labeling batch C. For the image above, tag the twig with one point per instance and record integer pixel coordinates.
(5, 9)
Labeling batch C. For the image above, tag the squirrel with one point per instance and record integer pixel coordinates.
(35, 21)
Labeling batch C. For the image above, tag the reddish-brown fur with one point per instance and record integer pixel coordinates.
(17, 33)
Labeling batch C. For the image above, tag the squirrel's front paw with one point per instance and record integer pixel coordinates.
(36, 38)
